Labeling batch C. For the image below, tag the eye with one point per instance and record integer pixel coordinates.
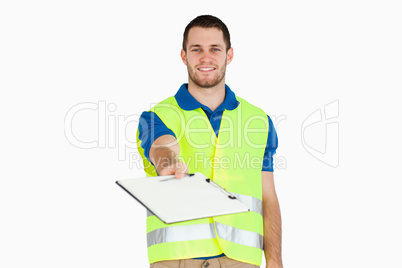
(195, 50)
(216, 50)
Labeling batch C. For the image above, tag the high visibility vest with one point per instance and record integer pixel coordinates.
(234, 161)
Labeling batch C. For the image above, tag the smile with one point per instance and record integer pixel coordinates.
(206, 69)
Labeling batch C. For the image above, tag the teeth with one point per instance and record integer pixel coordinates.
(206, 69)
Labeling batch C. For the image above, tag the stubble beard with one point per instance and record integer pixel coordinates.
(207, 83)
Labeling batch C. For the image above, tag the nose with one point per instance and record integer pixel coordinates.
(205, 56)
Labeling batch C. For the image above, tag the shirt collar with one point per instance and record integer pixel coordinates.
(187, 102)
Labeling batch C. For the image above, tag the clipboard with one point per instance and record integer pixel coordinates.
(175, 200)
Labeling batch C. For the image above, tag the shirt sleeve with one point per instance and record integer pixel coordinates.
(270, 149)
(150, 128)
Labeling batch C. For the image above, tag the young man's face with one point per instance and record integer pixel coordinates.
(206, 57)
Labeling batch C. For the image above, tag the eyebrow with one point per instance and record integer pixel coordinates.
(213, 45)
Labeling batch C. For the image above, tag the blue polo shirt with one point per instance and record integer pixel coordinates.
(151, 126)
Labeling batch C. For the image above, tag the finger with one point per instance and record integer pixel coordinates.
(179, 173)
(166, 171)
(181, 170)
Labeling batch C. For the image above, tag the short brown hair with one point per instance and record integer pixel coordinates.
(207, 21)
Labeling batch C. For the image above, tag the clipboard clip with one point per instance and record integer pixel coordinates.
(231, 196)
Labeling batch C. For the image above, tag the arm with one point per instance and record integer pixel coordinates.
(164, 154)
(272, 222)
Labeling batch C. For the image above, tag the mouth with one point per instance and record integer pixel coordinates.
(206, 69)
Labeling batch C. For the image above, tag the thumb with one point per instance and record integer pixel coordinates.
(180, 170)
(179, 173)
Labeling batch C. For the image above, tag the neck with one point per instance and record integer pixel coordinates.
(211, 97)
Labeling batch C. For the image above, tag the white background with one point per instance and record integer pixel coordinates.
(59, 203)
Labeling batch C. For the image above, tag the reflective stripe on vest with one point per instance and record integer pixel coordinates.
(238, 236)
(254, 204)
(204, 231)
(181, 233)
(149, 213)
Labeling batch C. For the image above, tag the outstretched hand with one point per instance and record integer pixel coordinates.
(178, 168)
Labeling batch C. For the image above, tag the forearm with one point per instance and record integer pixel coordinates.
(272, 223)
(272, 232)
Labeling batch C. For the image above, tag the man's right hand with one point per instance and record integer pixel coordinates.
(179, 169)
(164, 154)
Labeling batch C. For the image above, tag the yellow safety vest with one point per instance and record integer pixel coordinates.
(234, 161)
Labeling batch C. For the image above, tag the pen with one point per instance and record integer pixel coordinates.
(174, 178)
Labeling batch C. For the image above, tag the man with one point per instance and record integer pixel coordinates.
(206, 128)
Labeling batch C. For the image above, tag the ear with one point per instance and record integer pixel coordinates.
(229, 56)
(183, 56)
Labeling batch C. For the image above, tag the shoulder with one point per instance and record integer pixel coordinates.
(245, 105)
(166, 106)
(169, 101)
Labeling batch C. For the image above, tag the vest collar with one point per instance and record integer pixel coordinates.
(187, 102)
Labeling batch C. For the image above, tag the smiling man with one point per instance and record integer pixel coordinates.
(206, 57)
(206, 128)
